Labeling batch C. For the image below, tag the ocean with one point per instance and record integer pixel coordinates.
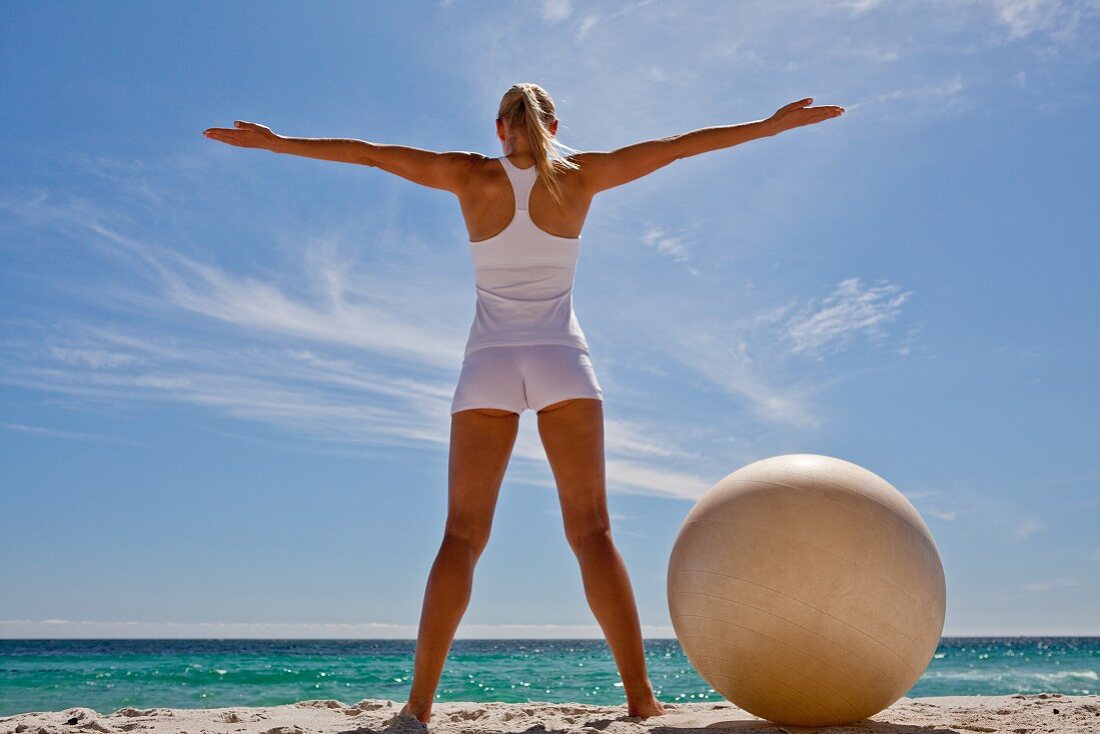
(105, 675)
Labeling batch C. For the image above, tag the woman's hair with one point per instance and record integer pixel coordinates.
(528, 105)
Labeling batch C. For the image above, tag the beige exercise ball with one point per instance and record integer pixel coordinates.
(806, 590)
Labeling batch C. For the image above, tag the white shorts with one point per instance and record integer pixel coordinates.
(524, 376)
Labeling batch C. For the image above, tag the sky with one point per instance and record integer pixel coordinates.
(225, 374)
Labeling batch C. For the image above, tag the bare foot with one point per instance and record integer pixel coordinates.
(645, 706)
(421, 713)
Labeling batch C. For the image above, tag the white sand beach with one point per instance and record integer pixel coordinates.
(941, 715)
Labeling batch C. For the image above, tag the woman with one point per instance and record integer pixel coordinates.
(524, 213)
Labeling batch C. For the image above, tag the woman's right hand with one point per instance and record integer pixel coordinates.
(797, 114)
(245, 135)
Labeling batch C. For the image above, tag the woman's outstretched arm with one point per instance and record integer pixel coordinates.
(447, 171)
(603, 171)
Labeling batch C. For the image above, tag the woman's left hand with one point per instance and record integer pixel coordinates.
(245, 135)
(797, 114)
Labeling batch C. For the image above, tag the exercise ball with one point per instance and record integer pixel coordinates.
(806, 590)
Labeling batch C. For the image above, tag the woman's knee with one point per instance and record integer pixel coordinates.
(582, 535)
(472, 538)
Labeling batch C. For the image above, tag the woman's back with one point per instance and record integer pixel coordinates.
(524, 273)
(487, 202)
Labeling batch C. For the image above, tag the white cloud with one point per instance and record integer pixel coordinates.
(737, 51)
(554, 11)
(638, 478)
(96, 358)
(666, 244)
(874, 53)
(707, 343)
(924, 63)
(830, 324)
(1025, 17)
(334, 316)
(940, 505)
(586, 25)
(72, 435)
(1037, 587)
(635, 438)
(1026, 530)
(342, 355)
(860, 6)
(336, 400)
(946, 94)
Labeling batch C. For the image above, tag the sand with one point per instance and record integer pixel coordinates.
(941, 715)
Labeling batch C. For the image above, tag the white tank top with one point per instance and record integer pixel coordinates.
(524, 279)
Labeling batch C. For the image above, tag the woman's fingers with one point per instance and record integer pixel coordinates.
(243, 133)
(823, 113)
(253, 127)
(802, 105)
(240, 126)
(795, 105)
(243, 138)
(800, 116)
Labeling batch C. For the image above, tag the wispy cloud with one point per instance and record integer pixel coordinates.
(716, 351)
(342, 355)
(1020, 18)
(586, 25)
(829, 324)
(1059, 18)
(859, 6)
(639, 478)
(1026, 530)
(940, 505)
(699, 332)
(947, 94)
(743, 356)
(555, 11)
(94, 357)
(330, 399)
(672, 246)
(896, 61)
(638, 438)
(332, 313)
(1037, 587)
(69, 435)
(307, 393)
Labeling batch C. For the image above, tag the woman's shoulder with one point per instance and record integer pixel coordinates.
(581, 157)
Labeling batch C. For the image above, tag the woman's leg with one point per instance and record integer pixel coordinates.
(481, 444)
(572, 434)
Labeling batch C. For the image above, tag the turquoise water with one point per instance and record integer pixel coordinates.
(105, 675)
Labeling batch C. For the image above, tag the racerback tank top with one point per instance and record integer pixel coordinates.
(524, 279)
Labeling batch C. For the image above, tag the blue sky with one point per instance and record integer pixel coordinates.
(225, 374)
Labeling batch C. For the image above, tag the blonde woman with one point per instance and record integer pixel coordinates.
(524, 212)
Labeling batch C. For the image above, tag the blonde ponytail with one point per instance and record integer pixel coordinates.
(529, 105)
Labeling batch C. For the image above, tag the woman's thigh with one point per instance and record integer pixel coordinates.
(572, 435)
(481, 445)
